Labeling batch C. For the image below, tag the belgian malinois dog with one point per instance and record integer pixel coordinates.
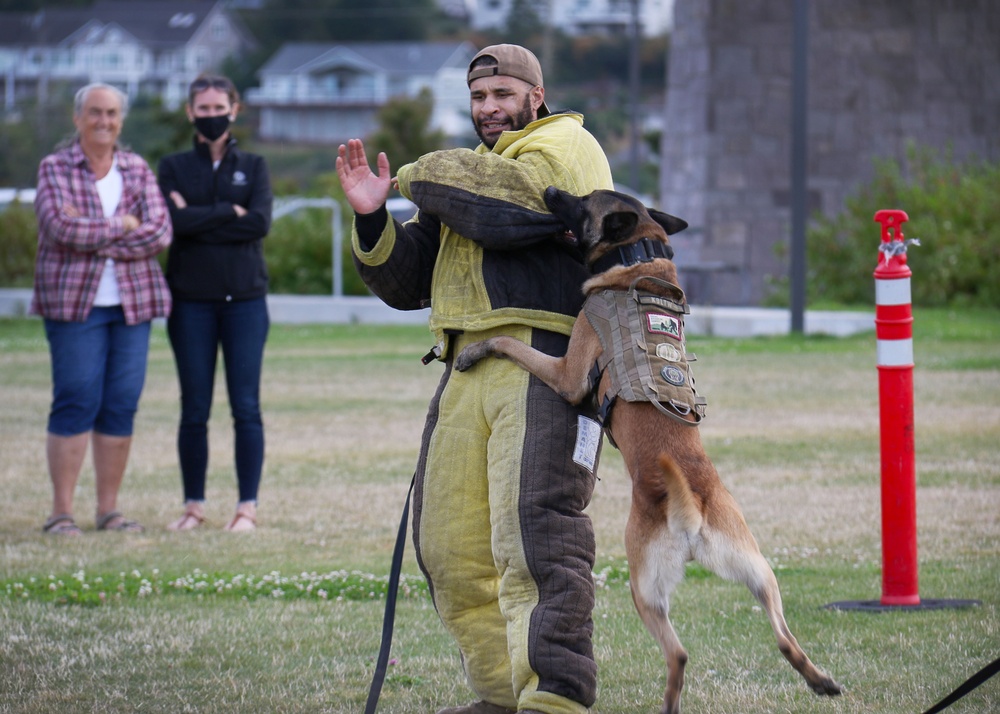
(680, 509)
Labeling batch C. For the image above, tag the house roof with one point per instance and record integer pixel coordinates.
(45, 27)
(392, 57)
(155, 23)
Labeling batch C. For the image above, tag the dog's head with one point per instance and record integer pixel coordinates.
(604, 221)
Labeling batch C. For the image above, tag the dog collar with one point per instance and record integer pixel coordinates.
(643, 251)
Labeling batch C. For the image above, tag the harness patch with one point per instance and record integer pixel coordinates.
(673, 375)
(664, 325)
(667, 351)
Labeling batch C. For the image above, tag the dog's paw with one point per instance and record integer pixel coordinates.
(468, 357)
(826, 686)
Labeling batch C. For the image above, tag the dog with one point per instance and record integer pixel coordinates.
(680, 509)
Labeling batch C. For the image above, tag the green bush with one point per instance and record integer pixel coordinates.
(18, 244)
(299, 255)
(955, 213)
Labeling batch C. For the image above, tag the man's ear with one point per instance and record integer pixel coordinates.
(537, 98)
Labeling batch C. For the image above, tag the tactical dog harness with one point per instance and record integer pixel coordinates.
(642, 336)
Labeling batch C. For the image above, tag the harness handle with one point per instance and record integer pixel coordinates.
(659, 281)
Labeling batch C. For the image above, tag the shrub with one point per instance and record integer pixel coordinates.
(953, 211)
(299, 255)
(19, 242)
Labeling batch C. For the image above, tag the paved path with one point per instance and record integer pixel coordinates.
(715, 320)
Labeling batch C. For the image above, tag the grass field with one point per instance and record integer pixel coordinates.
(288, 618)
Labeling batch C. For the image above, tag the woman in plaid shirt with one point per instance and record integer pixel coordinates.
(101, 223)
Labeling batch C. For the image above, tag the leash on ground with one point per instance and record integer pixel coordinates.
(390, 608)
(967, 686)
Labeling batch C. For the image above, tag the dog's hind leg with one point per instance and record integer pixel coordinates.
(729, 549)
(655, 570)
(657, 542)
(764, 586)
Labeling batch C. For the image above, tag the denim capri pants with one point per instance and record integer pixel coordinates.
(98, 371)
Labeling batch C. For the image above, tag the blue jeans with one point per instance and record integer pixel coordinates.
(196, 330)
(98, 371)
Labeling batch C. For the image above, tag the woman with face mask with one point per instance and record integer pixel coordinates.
(220, 203)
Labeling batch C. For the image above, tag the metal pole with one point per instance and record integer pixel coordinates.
(548, 41)
(338, 241)
(800, 152)
(634, 90)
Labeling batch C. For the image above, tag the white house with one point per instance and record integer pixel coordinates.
(152, 47)
(579, 17)
(329, 92)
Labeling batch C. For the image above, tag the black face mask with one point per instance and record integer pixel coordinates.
(212, 127)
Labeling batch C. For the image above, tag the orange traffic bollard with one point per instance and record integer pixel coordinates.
(894, 332)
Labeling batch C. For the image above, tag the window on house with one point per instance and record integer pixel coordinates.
(181, 19)
(345, 80)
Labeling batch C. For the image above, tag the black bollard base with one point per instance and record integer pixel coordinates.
(877, 606)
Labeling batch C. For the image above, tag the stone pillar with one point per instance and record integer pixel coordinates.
(882, 74)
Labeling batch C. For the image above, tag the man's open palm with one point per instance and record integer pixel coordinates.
(365, 191)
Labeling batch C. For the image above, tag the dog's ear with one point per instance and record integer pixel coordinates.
(671, 224)
(618, 225)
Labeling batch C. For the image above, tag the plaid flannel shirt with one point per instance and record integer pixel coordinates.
(72, 251)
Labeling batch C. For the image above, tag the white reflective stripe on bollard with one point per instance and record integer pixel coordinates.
(895, 353)
(892, 292)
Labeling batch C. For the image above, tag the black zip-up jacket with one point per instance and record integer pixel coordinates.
(215, 254)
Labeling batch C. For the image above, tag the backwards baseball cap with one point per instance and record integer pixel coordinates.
(511, 61)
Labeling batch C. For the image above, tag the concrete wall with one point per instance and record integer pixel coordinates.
(882, 74)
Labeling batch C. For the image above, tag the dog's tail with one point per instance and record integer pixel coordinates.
(670, 486)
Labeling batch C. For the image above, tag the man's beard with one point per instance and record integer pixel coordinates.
(518, 122)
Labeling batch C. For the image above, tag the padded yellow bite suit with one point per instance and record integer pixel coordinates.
(506, 467)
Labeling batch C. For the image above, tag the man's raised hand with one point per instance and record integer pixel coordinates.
(365, 190)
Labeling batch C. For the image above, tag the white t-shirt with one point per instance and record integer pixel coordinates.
(109, 189)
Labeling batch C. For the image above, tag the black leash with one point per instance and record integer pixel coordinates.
(390, 608)
(971, 683)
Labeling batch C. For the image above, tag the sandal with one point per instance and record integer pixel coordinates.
(193, 517)
(242, 521)
(115, 521)
(62, 524)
